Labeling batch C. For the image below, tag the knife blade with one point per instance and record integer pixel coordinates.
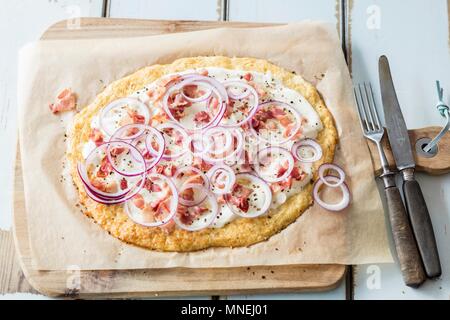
(404, 160)
(395, 123)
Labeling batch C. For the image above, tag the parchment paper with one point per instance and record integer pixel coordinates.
(61, 237)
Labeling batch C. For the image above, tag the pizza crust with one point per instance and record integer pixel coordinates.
(238, 233)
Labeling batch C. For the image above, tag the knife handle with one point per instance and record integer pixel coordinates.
(422, 226)
(405, 245)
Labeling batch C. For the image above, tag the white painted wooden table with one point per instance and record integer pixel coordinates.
(414, 34)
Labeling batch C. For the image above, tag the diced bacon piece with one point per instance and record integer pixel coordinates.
(282, 169)
(103, 186)
(136, 117)
(239, 197)
(158, 117)
(204, 72)
(96, 136)
(123, 184)
(248, 76)
(188, 216)
(214, 105)
(65, 101)
(202, 117)
(138, 201)
(188, 194)
(285, 121)
(170, 170)
(277, 113)
(200, 164)
(152, 187)
(105, 168)
(117, 151)
(191, 91)
(163, 208)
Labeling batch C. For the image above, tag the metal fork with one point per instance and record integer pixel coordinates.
(405, 244)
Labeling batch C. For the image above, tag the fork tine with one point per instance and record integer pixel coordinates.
(367, 106)
(363, 109)
(375, 110)
(362, 117)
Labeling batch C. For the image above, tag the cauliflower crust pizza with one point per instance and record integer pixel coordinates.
(203, 152)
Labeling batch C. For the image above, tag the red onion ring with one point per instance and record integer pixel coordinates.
(81, 168)
(209, 156)
(264, 189)
(310, 143)
(204, 223)
(118, 135)
(118, 104)
(216, 87)
(174, 126)
(330, 166)
(252, 112)
(198, 99)
(237, 83)
(180, 185)
(136, 154)
(332, 207)
(230, 178)
(265, 152)
(197, 139)
(210, 133)
(294, 112)
(173, 203)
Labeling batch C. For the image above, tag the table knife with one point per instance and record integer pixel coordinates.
(404, 160)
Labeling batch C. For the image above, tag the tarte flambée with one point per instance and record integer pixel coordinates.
(203, 152)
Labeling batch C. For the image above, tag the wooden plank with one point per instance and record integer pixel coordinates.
(178, 281)
(12, 279)
(38, 14)
(167, 9)
(116, 28)
(415, 37)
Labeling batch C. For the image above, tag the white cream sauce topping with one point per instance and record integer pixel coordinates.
(275, 91)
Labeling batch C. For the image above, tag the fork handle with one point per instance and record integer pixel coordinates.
(405, 244)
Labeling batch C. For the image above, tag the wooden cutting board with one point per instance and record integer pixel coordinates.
(157, 282)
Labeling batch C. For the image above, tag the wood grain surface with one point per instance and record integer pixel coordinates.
(437, 165)
(158, 282)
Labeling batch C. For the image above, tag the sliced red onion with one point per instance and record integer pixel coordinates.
(173, 126)
(181, 182)
(310, 144)
(329, 166)
(263, 189)
(213, 133)
(216, 87)
(121, 103)
(248, 90)
(219, 171)
(199, 144)
(202, 98)
(136, 214)
(345, 201)
(136, 161)
(203, 220)
(286, 156)
(228, 155)
(82, 171)
(121, 134)
(291, 110)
